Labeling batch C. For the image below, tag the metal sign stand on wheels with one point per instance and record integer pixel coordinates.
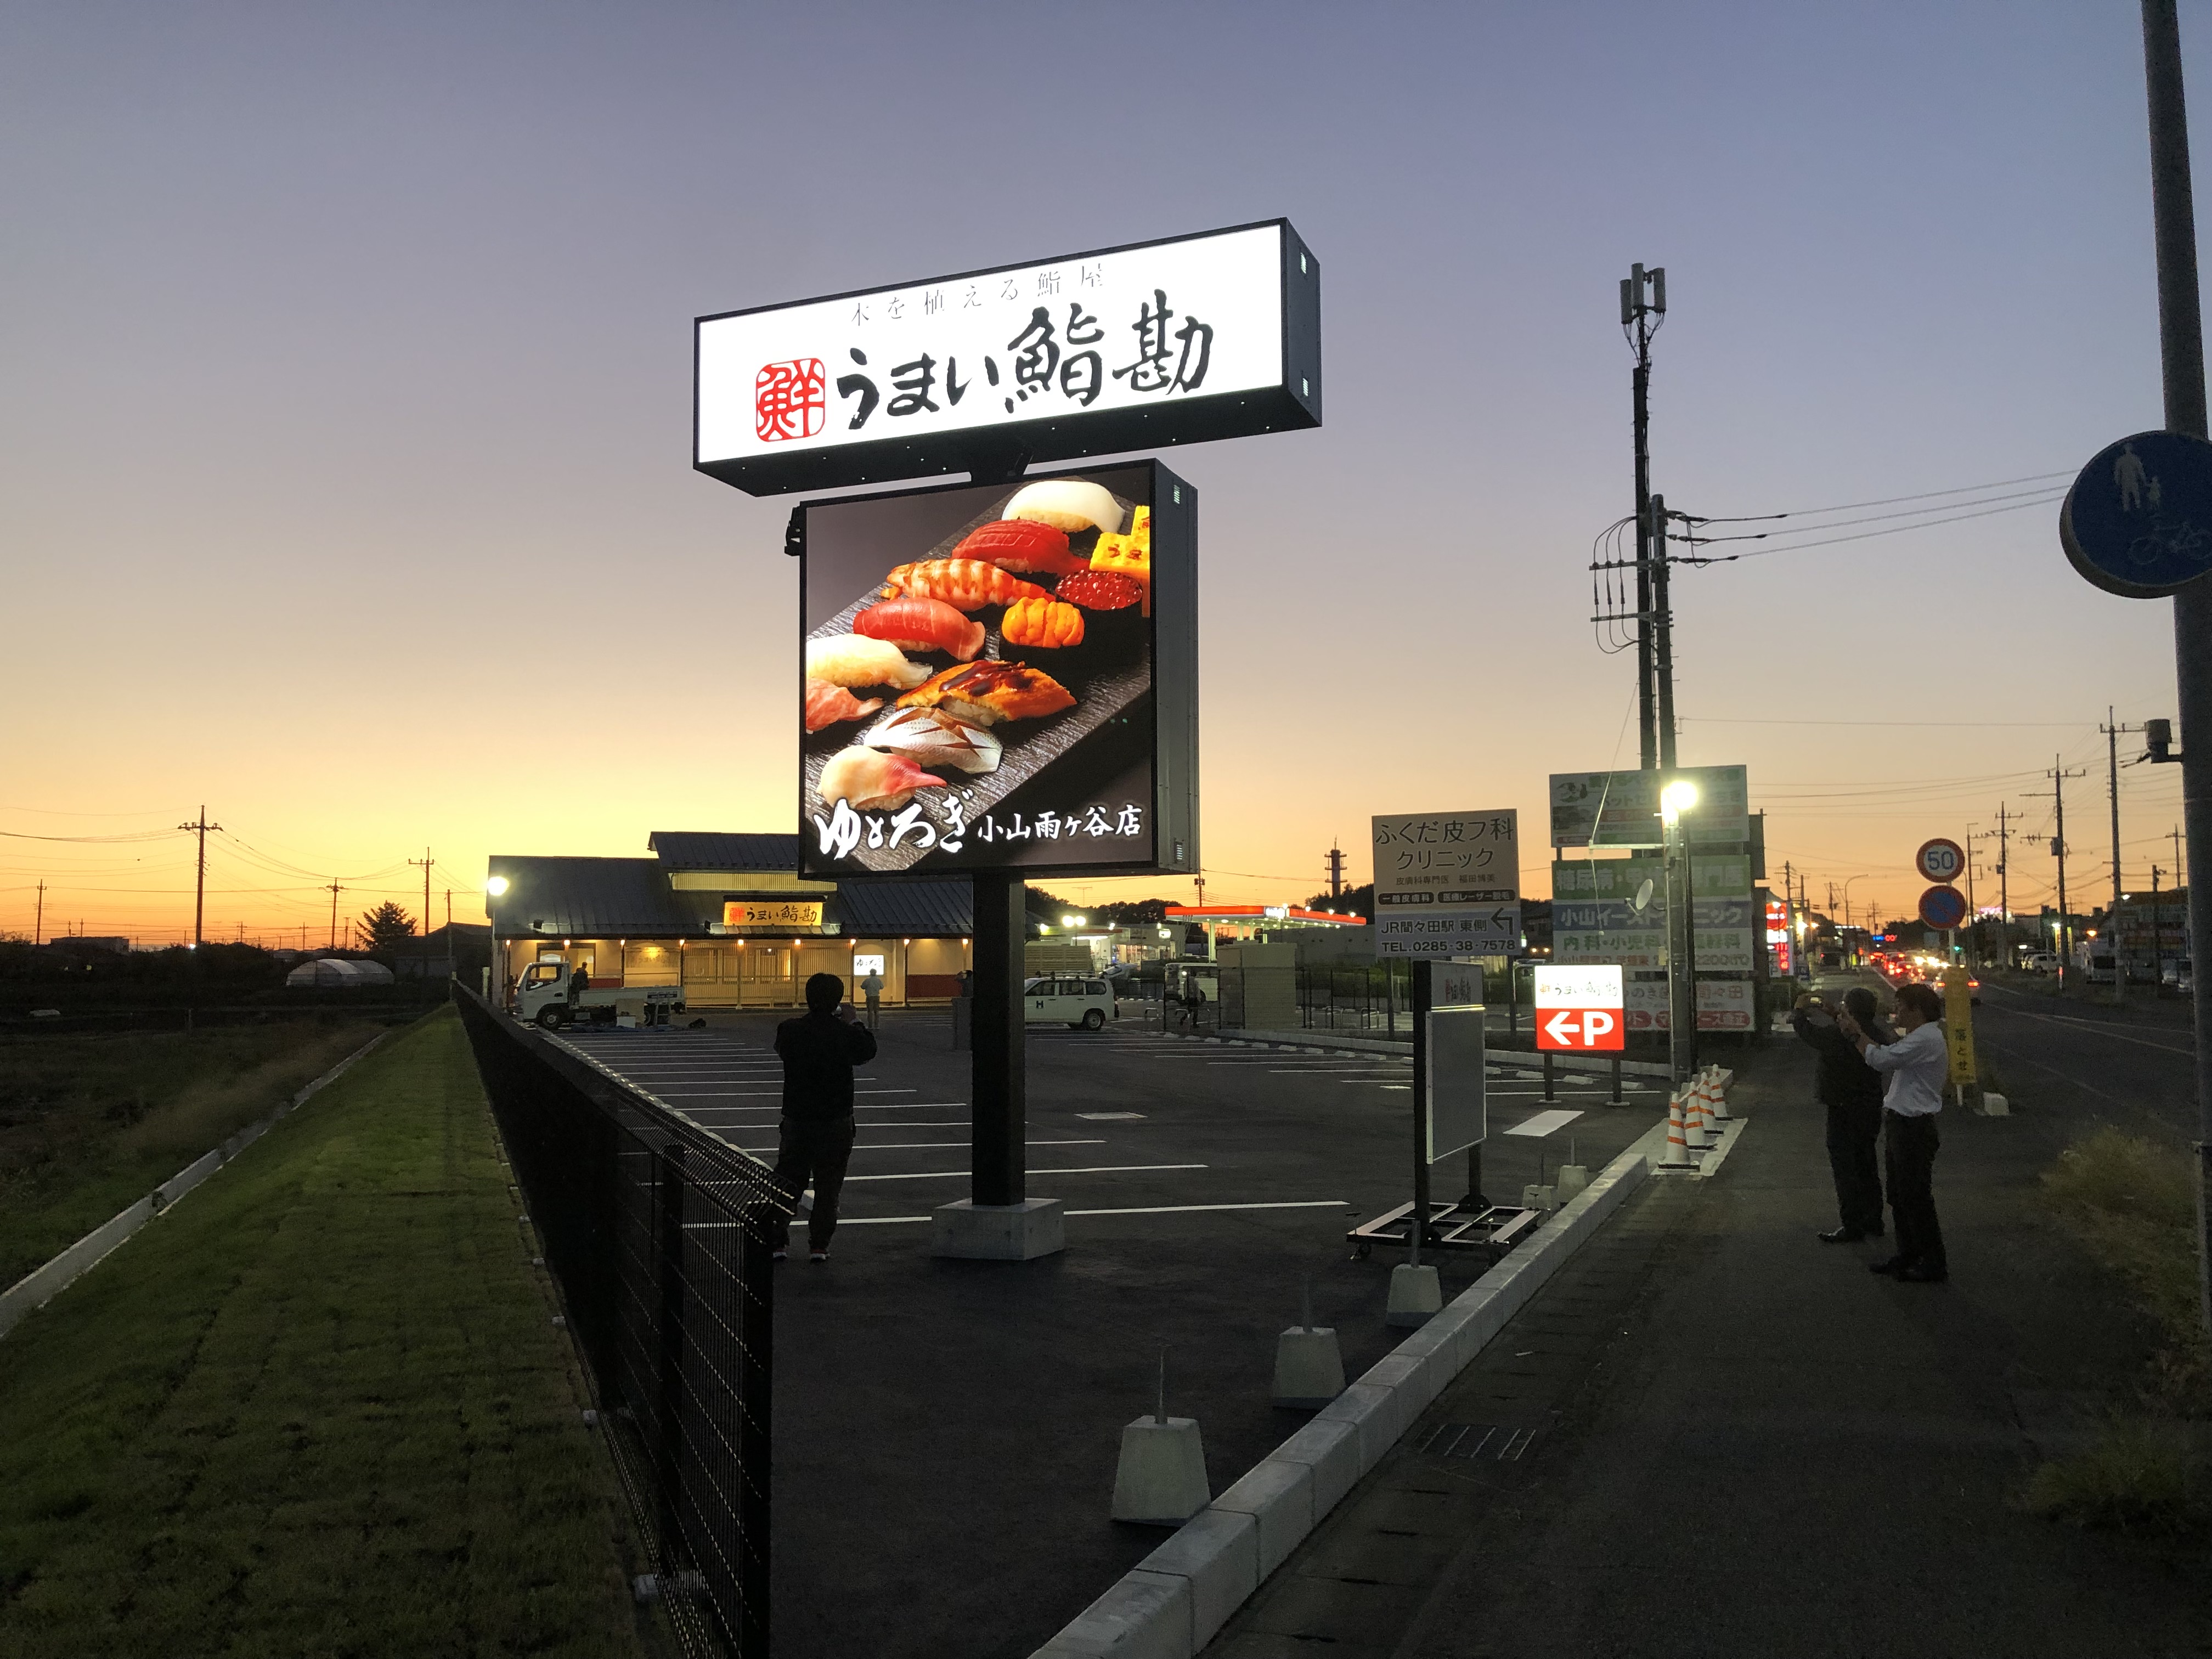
(1449, 1115)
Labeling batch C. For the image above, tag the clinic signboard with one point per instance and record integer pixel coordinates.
(1001, 677)
(1447, 884)
(1621, 809)
(1615, 910)
(1180, 341)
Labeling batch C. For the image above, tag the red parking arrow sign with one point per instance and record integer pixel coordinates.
(1579, 1010)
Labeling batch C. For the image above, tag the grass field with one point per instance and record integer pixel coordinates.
(2132, 1201)
(319, 1407)
(91, 1124)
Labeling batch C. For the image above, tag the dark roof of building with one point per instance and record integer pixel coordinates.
(708, 850)
(879, 908)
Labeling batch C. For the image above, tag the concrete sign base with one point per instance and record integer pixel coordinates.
(997, 1232)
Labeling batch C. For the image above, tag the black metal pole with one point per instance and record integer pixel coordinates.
(1417, 1235)
(1647, 728)
(998, 1089)
(2181, 363)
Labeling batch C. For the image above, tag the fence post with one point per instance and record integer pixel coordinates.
(1549, 1095)
(668, 1412)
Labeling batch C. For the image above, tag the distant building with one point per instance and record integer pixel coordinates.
(726, 917)
(115, 943)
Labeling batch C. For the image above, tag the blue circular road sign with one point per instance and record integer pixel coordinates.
(1943, 907)
(2138, 521)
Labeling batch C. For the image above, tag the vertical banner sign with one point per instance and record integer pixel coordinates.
(1448, 883)
(1580, 1010)
(1958, 1026)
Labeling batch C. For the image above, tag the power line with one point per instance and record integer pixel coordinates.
(1892, 501)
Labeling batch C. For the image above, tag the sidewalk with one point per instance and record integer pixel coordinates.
(1723, 1437)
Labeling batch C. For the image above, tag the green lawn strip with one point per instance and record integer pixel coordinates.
(319, 1407)
(91, 1124)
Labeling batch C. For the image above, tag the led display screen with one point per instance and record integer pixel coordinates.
(1001, 677)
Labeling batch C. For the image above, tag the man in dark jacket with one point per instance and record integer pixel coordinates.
(814, 1140)
(1851, 1090)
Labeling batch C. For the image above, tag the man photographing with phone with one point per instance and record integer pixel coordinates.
(814, 1137)
(1915, 1065)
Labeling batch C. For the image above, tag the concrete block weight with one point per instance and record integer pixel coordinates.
(1309, 1368)
(1160, 1480)
(1571, 1180)
(1416, 1295)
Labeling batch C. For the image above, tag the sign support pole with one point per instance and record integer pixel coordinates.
(999, 1171)
(1418, 1232)
(2181, 361)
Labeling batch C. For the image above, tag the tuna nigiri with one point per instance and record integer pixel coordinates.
(964, 584)
(1022, 545)
(849, 660)
(867, 780)
(827, 704)
(919, 624)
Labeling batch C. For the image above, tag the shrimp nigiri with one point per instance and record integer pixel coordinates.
(964, 584)
(919, 624)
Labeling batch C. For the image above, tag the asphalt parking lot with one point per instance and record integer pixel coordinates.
(945, 1431)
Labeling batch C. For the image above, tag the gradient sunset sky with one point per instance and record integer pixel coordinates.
(344, 449)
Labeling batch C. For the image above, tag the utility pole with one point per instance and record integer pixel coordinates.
(1662, 634)
(2181, 363)
(1335, 871)
(199, 885)
(39, 927)
(1642, 309)
(2058, 774)
(2004, 887)
(426, 862)
(2157, 953)
(335, 891)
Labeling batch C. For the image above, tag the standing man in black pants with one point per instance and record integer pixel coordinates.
(1851, 1090)
(814, 1140)
(1916, 1065)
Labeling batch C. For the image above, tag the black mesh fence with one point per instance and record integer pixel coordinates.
(657, 1233)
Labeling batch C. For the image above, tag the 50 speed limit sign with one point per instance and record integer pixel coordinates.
(1940, 859)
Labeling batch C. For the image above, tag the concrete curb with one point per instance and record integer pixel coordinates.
(1174, 1601)
(42, 1284)
(1335, 1043)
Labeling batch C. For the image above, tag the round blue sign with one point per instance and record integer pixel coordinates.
(1942, 906)
(2138, 521)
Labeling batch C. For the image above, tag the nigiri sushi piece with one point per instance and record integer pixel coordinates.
(852, 659)
(964, 584)
(827, 704)
(1022, 545)
(919, 624)
(1069, 504)
(930, 737)
(984, 693)
(1044, 623)
(868, 780)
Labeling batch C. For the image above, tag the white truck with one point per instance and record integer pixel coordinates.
(548, 995)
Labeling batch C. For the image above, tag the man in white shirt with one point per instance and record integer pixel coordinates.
(1915, 1067)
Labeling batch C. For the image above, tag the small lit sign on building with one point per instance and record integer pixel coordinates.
(771, 913)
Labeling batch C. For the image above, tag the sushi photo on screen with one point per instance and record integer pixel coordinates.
(978, 676)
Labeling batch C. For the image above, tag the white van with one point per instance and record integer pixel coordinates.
(1065, 1000)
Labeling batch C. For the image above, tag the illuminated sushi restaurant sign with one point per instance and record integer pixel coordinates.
(771, 913)
(1001, 677)
(1184, 341)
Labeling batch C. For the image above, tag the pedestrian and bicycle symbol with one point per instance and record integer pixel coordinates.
(1580, 1010)
(2138, 520)
(1943, 908)
(1940, 860)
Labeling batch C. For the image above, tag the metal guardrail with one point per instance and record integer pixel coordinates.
(656, 1231)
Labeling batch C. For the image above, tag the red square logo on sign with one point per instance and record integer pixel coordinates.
(788, 401)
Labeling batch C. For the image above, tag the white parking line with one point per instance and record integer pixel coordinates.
(963, 1174)
(926, 1145)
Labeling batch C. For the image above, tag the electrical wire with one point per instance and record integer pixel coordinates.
(1890, 501)
(1835, 541)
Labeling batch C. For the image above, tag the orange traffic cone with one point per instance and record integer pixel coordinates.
(1677, 1155)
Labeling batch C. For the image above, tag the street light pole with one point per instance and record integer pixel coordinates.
(1681, 972)
(2181, 363)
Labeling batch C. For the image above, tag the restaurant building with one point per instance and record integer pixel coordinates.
(723, 916)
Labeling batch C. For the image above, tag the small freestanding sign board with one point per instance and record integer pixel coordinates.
(1581, 1009)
